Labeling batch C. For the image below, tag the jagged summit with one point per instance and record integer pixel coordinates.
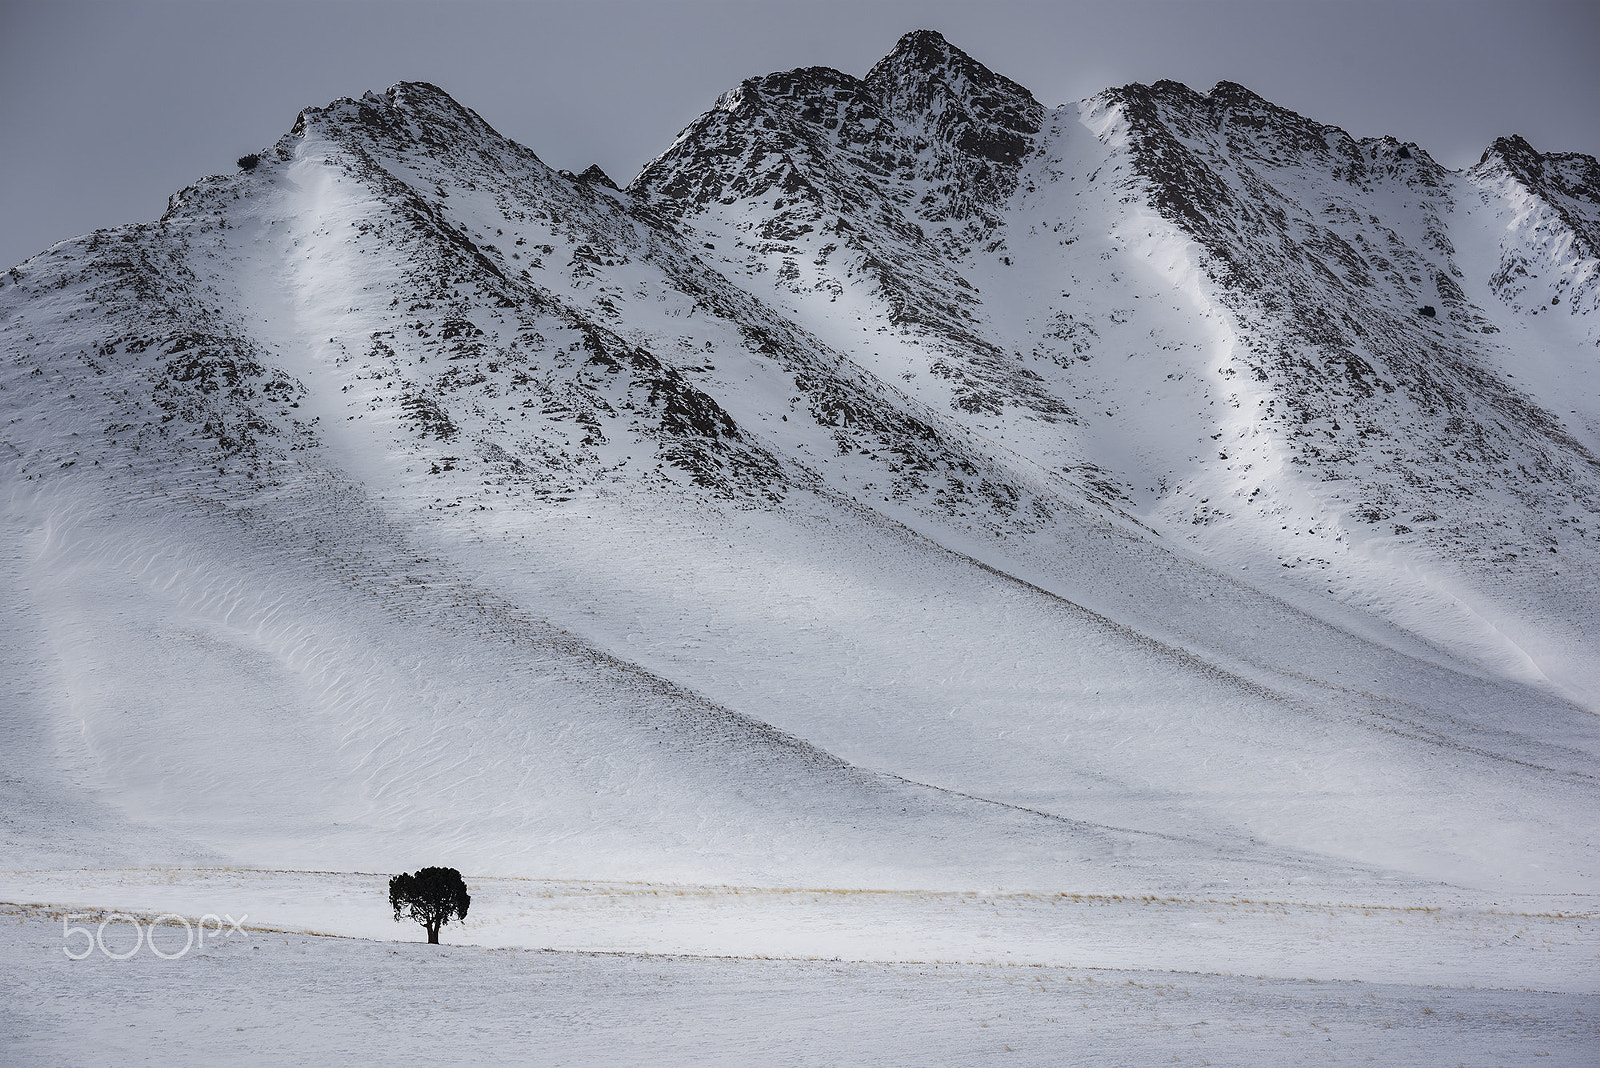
(1516, 154)
(1251, 123)
(419, 110)
(926, 78)
(920, 50)
(593, 175)
(887, 178)
(1571, 177)
(927, 110)
(923, 56)
(961, 104)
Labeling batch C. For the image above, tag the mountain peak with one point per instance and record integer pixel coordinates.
(923, 66)
(928, 81)
(1517, 154)
(919, 49)
(408, 111)
(1234, 93)
(595, 176)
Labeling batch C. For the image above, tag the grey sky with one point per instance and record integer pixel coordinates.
(105, 108)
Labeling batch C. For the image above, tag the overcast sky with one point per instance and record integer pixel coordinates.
(105, 108)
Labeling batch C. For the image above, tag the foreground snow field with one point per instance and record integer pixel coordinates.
(1508, 944)
(260, 997)
(556, 972)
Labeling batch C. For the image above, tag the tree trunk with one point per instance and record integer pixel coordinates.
(433, 935)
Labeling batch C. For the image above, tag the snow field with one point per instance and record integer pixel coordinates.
(269, 998)
(327, 721)
(1547, 943)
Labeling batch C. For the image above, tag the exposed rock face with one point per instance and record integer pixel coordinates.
(955, 124)
(893, 178)
(1559, 228)
(1568, 181)
(926, 113)
(1357, 334)
(593, 175)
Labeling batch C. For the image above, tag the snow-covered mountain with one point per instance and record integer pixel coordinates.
(900, 483)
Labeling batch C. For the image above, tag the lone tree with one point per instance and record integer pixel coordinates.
(430, 897)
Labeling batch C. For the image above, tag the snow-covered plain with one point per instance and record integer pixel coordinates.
(261, 997)
(836, 581)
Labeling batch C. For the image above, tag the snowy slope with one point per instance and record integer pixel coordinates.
(899, 485)
(1209, 312)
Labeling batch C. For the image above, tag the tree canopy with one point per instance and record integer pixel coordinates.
(431, 897)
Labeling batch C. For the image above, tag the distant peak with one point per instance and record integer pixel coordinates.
(416, 95)
(1234, 93)
(1517, 154)
(423, 89)
(924, 68)
(921, 48)
(595, 176)
(925, 55)
(427, 102)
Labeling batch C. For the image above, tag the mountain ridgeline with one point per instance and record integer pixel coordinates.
(1287, 424)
